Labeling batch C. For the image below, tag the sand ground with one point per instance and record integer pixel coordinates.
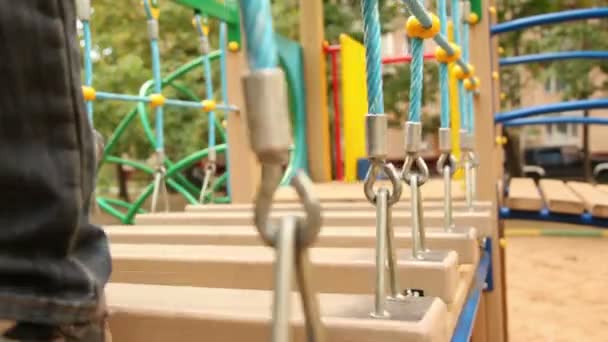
(557, 289)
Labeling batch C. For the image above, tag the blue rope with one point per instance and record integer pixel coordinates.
(208, 84)
(417, 70)
(468, 95)
(373, 58)
(224, 80)
(148, 9)
(456, 20)
(88, 64)
(471, 113)
(465, 43)
(261, 47)
(443, 69)
(159, 114)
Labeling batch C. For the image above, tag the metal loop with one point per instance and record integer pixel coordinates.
(372, 175)
(422, 172)
(308, 227)
(447, 159)
(474, 159)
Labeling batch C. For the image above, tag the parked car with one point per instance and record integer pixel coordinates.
(563, 162)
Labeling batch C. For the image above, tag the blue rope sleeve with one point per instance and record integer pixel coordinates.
(261, 46)
(373, 58)
(88, 64)
(443, 69)
(416, 86)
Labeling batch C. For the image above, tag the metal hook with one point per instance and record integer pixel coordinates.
(446, 159)
(210, 169)
(422, 174)
(160, 186)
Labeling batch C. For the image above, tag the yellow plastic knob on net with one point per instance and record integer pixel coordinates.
(155, 12)
(89, 93)
(157, 100)
(234, 46)
(473, 18)
(414, 28)
(495, 75)
(208, 105)
(503, 96)
(442, 55)
(459, 73)
(501, 140)
(471, 83)
(492, 10)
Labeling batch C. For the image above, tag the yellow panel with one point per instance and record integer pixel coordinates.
(354, 97)
(454, 111)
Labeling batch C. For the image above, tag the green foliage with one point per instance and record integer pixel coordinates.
(581, 35)
(122, 63)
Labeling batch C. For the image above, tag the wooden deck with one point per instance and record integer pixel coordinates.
(558, 197)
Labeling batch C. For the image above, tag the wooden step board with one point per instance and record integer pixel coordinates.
(153, 313)
(482, 220)
(340, 191)
(594, 200)
(156, 313)
(337, 206)
(336, 270)
(602, 187)
(464, 243)
(559, 198)
(524, 195)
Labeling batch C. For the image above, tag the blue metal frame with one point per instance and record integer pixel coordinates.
(557, 120)
(550, 18)
(551, 108)
(482, 282)
(553, 56)
(547, 216)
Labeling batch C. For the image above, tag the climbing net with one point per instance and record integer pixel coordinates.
(165, 172)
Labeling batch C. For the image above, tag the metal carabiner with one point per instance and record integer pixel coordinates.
(308, 227)
(372, 174)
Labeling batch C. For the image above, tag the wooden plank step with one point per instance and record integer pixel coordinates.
(334, 206)
(336, 270)
(595, 201)
(464, 243)
(602, 187)
(340, 191)
(482, 220)
(560, 198)
(154, 313)
(524, 195)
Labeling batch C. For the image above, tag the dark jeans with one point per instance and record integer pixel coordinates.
(53, 262)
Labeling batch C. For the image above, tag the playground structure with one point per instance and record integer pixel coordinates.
(166, 172)
(205, 272)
